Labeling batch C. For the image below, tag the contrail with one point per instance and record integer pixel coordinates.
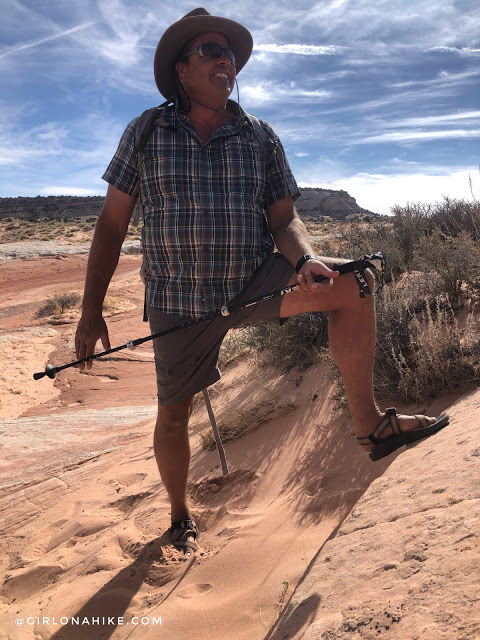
(37, 42)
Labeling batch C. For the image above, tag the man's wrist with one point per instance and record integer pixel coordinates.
(303, 260)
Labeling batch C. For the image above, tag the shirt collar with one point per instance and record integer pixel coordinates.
(178, 119)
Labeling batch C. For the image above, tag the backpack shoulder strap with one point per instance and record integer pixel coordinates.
(269, 146)
(144, 128)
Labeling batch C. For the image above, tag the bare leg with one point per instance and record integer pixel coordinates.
(352, 334)
(172, 452)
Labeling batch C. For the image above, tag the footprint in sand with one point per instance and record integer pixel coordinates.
(89, 525)
(194, 590)
(128, 503)
(25, 584)
(234, 486)
(128, 479)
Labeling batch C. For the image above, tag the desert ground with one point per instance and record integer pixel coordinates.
(84, 516)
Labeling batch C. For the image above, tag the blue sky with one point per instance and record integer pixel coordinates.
(380, 98)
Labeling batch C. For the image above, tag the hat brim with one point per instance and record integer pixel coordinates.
(180, 32)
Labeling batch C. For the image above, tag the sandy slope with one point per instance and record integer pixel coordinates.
(84, 514)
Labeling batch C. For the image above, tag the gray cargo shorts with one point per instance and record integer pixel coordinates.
(187, 361)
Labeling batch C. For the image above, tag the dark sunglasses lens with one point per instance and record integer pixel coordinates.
(215, 50)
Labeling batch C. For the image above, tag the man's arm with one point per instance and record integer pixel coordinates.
(110, 232)
(291, 239)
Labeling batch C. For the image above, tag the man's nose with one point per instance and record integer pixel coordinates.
(224, 59)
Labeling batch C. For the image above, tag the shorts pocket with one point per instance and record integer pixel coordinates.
(168, 372)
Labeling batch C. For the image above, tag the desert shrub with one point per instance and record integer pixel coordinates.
(58, 304)
(439, 355)
(456, 260)
(296, 344)
(433, 264)
(455, 216)
(49, 308)
(410, 223)
(360, 240)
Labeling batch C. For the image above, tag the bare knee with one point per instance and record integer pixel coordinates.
(174, 418)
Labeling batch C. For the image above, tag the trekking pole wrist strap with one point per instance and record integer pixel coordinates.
(302, 261)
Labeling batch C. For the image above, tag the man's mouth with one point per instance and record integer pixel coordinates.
(221, 74)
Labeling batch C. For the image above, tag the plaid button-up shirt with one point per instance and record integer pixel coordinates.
(205, 228)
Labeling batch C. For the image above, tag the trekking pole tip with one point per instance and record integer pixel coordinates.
(50, 371)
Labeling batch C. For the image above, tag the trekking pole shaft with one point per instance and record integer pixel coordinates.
(344, 268)
(131, 344)
(216, 433)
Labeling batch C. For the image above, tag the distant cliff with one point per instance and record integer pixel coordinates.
(314, 203)
(53, 207)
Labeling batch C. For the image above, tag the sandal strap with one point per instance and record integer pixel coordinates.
(181, 526)
(389, 419)
(423, 421)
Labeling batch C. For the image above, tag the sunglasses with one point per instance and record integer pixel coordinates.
(212, 50)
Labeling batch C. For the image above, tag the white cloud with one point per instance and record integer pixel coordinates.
(443, 78)
(402, 136)
(463, 51)
(272, 92)
(69, 191)
(301, 49)
(437, 119)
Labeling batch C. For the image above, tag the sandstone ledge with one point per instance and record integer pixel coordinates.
(29, 250)
(405, 564)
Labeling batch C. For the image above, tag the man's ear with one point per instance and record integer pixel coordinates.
(181, 68)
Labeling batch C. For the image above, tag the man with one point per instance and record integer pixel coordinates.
(214, 207)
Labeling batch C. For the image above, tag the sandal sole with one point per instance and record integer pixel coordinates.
(392, 443)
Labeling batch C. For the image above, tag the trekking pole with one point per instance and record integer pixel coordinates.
(216, 433)
(357, 267)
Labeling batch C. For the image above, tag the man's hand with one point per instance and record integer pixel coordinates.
(307, 273)
(90, 329)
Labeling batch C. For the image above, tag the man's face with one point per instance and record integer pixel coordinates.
(204, 77)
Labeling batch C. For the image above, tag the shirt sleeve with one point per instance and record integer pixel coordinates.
(122, 170)
(280, 180)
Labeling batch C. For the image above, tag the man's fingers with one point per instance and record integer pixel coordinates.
(323, 285)
(106, 342)
(85, 349)
(303, 285)
(307, 281)
(86, 338)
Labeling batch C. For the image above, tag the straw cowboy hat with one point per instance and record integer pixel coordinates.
(179, 33)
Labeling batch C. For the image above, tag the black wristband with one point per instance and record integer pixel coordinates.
(302, 261)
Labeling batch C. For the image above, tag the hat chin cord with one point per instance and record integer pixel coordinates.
(207, 106)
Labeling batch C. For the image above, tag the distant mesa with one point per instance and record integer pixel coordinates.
(50, 207)
(314, 204)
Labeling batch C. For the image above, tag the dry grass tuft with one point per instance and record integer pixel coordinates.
(233, 424)
(58, 304)
(66, 307)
